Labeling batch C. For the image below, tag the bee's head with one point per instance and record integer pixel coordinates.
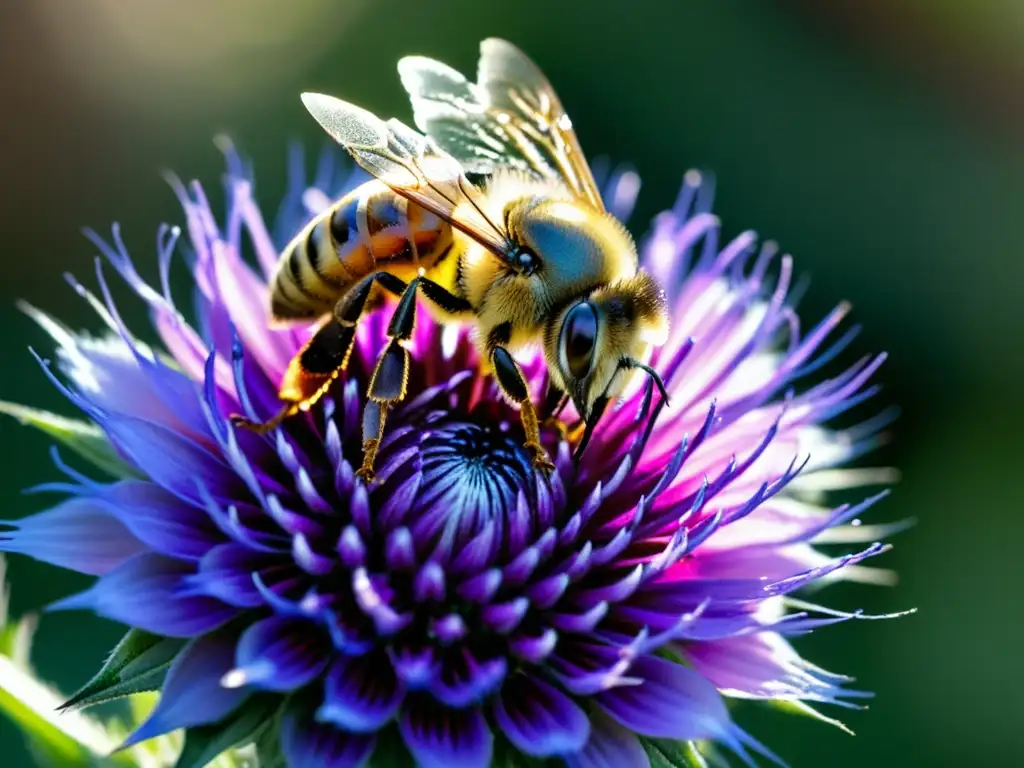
(595, 345)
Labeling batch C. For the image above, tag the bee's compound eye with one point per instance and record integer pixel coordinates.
(579, 332)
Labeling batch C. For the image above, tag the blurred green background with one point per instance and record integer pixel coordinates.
(882, 143)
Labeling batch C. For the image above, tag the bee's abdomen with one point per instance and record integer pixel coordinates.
(369, 229)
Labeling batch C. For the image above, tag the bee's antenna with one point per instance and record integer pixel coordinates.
(629, 362)
(595, 416)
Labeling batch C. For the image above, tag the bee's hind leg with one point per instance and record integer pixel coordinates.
(310, 374)
(391, 375)
(315, 367)
(512, 382)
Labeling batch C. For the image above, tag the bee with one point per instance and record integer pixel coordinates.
(528, 256)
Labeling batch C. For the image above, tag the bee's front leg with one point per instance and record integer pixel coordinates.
(554, 404)
(512, 382)
(391, 375)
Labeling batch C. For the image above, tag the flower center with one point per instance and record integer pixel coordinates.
(474, 473)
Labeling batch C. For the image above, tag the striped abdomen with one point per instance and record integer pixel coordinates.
(369, 229)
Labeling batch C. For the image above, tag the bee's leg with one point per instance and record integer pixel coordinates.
(310, 374)
(315, 367)
(512, 382)
(554, 404)
(554, 401)
(391, 375)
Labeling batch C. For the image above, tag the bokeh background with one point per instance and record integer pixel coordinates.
(882, 143)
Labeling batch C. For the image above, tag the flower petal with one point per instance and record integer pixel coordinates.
(169, 458)
(79, 534)
(361, 694)
(439, 737)
(610, 746)
(672, 702)
(279, 654)
(164, 522)
(117, 373)
(305, 743)
(539, 719)
(146, 592)
(226, 572)
(765, 666)
(192, 693)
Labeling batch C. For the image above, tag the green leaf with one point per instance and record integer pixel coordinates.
(204, 743)
(139, 662)
(54, 738)
(82, 437)
(58, 739)
(51, 745)
(665, 753)
(804, 709)
(268, 749)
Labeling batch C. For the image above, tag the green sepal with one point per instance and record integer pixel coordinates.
(268, 746)
(82, 437)
(138, 663)
(245, 726)
(665, 753)
(802, 708)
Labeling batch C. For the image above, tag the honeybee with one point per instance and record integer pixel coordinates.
(530, 256)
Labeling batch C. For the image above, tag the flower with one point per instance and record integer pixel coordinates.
(463, 606)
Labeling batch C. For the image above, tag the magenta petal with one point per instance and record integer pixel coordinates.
(539, 719)
(439, 737)
(672, 702)
(306, 743)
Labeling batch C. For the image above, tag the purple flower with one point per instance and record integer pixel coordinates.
(464, 606)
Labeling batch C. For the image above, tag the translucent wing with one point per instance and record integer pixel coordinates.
(412, 165)
(510, 117)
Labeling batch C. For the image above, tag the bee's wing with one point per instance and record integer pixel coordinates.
(510, 117)
(411, 164)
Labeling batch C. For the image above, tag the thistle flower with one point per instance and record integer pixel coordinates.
(463, 609)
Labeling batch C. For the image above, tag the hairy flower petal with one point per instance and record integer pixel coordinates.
(146, 592)
(80, 534)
